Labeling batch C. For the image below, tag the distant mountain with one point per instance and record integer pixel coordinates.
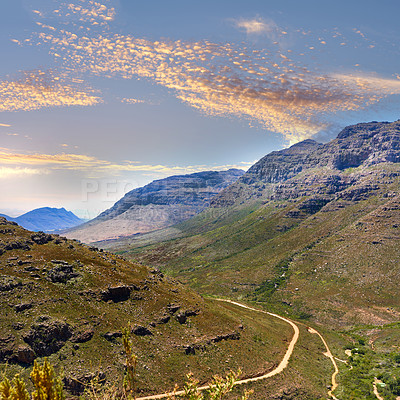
(312, 229)
(159, 204)
(46, 219)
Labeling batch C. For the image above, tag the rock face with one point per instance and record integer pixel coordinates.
(157, 205)
(278, 175)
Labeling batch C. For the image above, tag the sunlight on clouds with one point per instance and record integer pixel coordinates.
(36, 89)
(217, 79)
(257, 26)
(6, 172)
(91, 164)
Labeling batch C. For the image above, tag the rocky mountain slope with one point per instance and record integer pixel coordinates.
(69, 302)
(312, 230)
(159, 204)
(47, 219)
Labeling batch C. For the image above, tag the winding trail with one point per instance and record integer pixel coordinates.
(282, 365)
(376, 393)
(328, 354)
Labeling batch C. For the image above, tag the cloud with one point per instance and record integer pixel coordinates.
(6, 125)
(90, 12)
(91, 164)
(36, 89)
(257, 26)
(266, 87)
(7, 172)
(133, 101)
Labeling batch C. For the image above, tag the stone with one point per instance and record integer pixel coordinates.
(62, 273)
(110, 336)
(23, 306)
(24, 355)
(140, 330)
(82, 336)
(116, 293)
(48, 337)
(41, 237)
(76, 384)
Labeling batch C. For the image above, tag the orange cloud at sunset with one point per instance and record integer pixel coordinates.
(33, 90)
(81, 162)
(264, 87)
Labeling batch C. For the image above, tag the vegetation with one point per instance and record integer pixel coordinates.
(47, 385)
(371, 361)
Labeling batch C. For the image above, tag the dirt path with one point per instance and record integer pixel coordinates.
(376, 393)
(328, 354)
(282, 365)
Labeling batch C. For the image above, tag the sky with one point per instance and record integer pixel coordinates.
(100, 97)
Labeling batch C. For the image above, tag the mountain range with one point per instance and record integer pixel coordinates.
(46, 219)
(159, 204)
(312, 230)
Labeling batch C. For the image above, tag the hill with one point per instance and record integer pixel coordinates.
(69, 302)
(46, 219)
(311, 230)
(159, 204)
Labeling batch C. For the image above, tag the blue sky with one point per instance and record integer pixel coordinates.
(99, 97)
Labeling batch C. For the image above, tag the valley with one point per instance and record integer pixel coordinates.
(289, 273)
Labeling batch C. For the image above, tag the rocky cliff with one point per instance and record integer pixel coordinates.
(308, 167)
(159, 204)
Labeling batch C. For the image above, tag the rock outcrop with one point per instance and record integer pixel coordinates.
(287, 174)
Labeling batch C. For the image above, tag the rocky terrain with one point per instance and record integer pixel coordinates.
(47, 219)
(70, 302)
(311, 230)
(160, 204)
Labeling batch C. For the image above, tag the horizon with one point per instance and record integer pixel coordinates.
(99, 98)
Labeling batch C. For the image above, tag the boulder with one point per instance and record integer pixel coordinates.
(48, 337)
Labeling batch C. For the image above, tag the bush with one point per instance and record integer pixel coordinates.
(47, 385)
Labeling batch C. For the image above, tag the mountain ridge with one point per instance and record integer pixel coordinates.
(264, 235)
(47, 219)
(159, 204)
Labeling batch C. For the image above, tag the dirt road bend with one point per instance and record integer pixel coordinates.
(282, 365)
(328, 354)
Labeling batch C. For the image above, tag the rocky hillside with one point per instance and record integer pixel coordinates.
(161, 203)
(312, 229)
(69, 302)
(47, 219)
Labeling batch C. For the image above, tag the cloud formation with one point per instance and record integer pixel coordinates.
(80, 162)
(268, 88)
(256, 26)
(7, 172)
(32, 90)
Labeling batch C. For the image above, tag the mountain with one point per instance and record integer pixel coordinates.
(159, 204)
(46, 219)
(70, 302)
(312, 230)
